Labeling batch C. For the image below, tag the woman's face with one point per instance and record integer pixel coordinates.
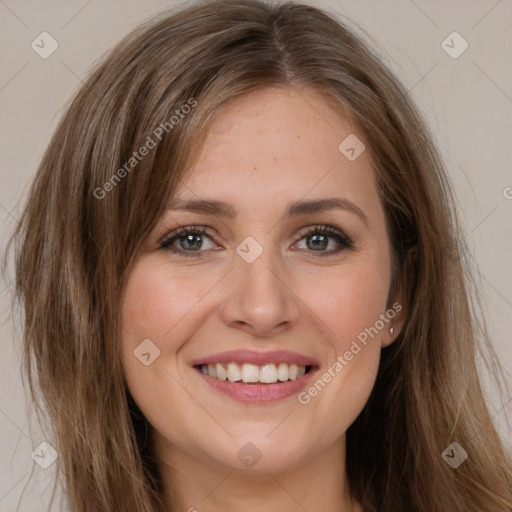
(262, 292)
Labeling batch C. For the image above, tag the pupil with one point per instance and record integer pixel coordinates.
(194, 240)
(319, 241)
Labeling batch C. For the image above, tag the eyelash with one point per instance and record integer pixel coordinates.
(343, 240)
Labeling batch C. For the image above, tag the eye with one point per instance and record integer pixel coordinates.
(190, 241)
(318, 239)
(187, 240)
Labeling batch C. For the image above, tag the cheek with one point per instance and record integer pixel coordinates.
(350, 304)
(157, 306)
(347, 306)
(157, 319)
(156, 302)
(350, 301)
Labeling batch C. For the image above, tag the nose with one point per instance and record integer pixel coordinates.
(258, 299)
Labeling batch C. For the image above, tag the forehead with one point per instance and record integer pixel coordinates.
(286, 120)
(279, 143)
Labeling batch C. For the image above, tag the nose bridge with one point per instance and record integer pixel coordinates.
(258, 297)
(260, 275)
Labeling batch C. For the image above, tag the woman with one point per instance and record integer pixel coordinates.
(237, 272)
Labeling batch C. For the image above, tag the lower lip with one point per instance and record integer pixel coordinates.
(258, 393)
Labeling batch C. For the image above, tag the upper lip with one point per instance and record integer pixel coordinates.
(257, 358)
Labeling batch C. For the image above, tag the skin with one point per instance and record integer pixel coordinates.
(266, 149)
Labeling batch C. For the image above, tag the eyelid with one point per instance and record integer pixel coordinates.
(312, 228)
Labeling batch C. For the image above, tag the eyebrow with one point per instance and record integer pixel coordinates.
(294, 209)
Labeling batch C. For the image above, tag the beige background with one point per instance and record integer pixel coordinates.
(468, 101)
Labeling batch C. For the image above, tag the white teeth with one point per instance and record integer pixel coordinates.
(233, 372)
(221, 372)
(268, 373)
(251, 373)
(282, 372)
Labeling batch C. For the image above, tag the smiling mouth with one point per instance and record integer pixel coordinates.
(247, 373)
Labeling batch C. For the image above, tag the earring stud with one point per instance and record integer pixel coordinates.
(391, 330)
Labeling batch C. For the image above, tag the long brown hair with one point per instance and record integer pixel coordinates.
(85, 221)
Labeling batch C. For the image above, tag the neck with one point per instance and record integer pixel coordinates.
(207, 486)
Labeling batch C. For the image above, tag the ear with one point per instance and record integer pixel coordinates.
(398, 300)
